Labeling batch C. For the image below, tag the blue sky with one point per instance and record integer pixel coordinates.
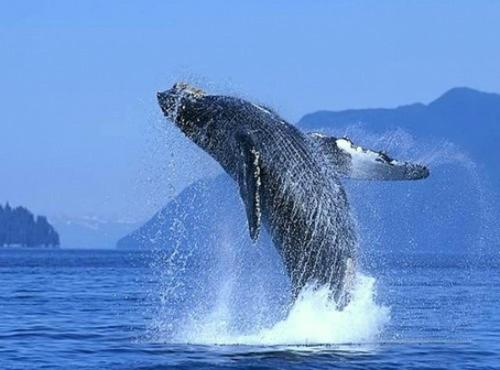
(82, 135)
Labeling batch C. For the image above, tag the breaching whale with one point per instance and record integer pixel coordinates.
(289, 181)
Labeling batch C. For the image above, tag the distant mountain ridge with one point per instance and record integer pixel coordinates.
(464, 116)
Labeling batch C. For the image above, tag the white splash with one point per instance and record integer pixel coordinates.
(312, 320)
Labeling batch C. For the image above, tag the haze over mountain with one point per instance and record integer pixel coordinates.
(91, 232)
(455, 210)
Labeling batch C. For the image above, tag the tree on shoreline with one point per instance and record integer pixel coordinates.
(18, 226)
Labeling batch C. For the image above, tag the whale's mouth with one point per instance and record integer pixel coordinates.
(173, 100)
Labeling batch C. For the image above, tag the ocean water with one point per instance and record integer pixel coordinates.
(98, 309)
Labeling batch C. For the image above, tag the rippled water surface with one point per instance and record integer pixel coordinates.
(98, 310)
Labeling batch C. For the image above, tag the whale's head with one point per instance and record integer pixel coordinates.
(179, 105)
(207, 120)
(197, 115)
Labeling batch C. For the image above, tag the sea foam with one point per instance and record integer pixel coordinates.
(313, 319)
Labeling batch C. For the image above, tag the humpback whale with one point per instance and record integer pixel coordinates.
(289, 181)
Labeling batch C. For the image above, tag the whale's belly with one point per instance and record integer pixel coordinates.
(307, 214)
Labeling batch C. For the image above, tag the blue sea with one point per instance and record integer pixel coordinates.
(111, 309)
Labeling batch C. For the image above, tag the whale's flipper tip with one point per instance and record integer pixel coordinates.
(416, 171)
(356, 162)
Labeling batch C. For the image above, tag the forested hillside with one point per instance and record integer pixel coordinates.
(18, 226)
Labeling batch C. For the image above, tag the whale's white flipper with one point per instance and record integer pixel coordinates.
(249, 181)
(355, 162)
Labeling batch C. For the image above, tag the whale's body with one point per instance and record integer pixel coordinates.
(289, 181)
(302, 203)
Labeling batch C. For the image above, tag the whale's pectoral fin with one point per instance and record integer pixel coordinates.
(249, 180)
(355, 162)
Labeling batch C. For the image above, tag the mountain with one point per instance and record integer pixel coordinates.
(186, 219)
(466, 117)
(455, 210)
